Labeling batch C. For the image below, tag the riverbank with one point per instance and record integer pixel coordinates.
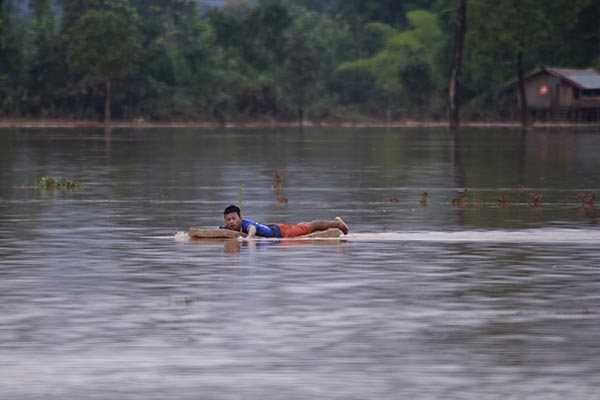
(56, 123)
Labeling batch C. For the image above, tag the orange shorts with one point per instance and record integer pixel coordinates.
(292, 230)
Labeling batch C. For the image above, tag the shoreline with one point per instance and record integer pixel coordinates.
(58, 123)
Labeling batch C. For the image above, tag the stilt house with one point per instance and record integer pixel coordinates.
(562, 94)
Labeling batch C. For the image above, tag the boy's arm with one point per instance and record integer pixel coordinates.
(251, 231)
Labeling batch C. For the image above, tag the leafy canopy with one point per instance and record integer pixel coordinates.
(105, 44)
(518, 27)
(400, 50)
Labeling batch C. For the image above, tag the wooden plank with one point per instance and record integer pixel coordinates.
(215, 233)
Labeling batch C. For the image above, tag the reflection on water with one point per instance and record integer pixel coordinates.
(102, 298)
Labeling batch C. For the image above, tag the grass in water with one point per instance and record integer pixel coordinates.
(47, 183)
(240, 196)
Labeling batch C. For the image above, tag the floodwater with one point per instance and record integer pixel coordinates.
(102, 297)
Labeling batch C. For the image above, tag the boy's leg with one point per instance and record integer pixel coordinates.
(320, 225)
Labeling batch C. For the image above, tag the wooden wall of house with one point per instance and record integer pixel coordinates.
(557, 95)
(587, 102)
(559, 104)
(565, 95)
(535, 101)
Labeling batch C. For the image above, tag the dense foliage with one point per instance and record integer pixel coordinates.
(276, 59)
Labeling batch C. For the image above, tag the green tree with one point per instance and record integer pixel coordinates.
(358, 13)
(255, 40)
(577, 45)
(10, 60)
(72, 10)
(331, 42)
(389, 12)
(105, 45)
(301, 69)
(404, 66)
(511, 38)
(258, 33)
(184, 72)
(43, 61)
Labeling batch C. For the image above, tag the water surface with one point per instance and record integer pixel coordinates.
(101, 298)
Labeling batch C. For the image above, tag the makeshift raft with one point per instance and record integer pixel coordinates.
(215, 233)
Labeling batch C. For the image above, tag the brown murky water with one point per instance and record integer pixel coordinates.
(102, 298)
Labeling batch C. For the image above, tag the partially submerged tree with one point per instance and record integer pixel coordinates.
(104, 45)
(454, 91)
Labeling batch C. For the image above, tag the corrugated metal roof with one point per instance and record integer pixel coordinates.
(581, 78)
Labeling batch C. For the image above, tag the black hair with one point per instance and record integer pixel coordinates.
(232, 209)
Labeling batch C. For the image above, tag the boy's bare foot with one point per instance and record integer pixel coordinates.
(342, 225)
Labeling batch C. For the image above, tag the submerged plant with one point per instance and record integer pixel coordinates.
(70, 184)
(461, 201)
(477, 200)
(47, 183)
(278, 178)
(162, 198)
(502, 200)
(423, 200)
(536, 199)
(240, 195)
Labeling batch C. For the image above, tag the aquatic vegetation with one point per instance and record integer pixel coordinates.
(70, 184)
(461, 201)
(240, 196)
(520, 199)
(477, 200)
(278, 178)
(162, 198)
(587, 209)
(47, 183)
(536, 199)
(589, 200)
(502, 200)
(423, 200)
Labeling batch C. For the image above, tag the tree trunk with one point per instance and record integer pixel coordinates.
(168, 25)
(456, 77)
(524, 109)
(300, 115)
(301, 103)
(107, 102)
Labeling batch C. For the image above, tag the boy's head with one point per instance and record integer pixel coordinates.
(233, 217)
(232, 209)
